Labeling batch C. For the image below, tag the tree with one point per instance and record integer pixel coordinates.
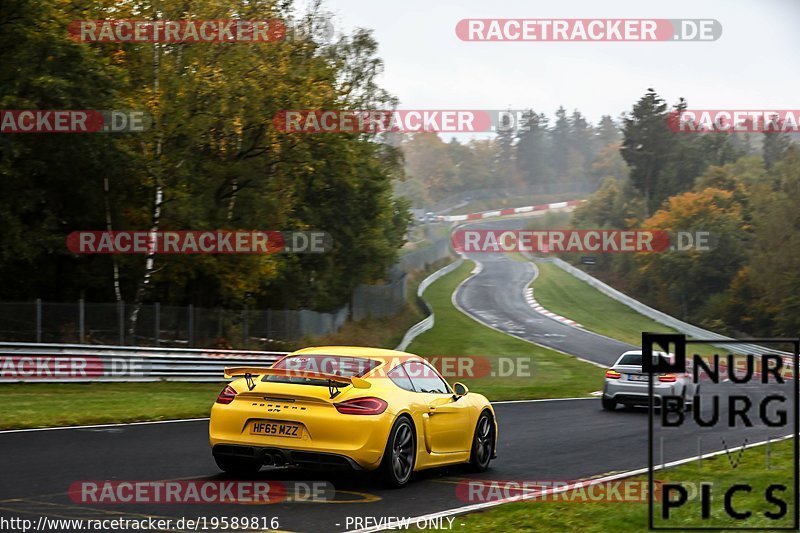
(429, 160)
(681, 281)
(560, 135)
(212, 160)
(774, 147)
(505, 163)
(608, 163)
(647, 145)
(581, 147)
(607, 131)
(532, 150)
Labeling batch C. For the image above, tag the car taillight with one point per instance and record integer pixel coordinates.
(227, 395)
(668, 378)
(362, 406)
(612, 374)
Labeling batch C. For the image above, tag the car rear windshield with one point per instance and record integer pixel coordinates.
(337, 365)
(635, 359)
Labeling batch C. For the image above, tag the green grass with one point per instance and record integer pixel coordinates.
(553, 374)
(532, 515)
(30, 405)
(564, 294)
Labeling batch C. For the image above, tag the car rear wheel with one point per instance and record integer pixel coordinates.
(609, 404)
(482, 443)
(399, 455)
(240, 466)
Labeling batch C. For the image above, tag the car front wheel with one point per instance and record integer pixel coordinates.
(482, 443)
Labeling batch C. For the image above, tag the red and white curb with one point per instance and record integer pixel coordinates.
(509, 211)
(539, 309)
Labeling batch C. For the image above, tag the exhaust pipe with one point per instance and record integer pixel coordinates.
(268, 460)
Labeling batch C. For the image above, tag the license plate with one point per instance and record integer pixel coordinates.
(276, 429)
(636, 377)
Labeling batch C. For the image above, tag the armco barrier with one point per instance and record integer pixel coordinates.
(426, 323)
(511, 211)
(31, 362)
(660, 317)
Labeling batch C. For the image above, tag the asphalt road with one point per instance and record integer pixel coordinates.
(559, 440)
(546, 440)
(495, 297)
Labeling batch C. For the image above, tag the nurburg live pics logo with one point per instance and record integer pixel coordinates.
(776, 373)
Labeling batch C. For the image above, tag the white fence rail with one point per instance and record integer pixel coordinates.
(689, 330)
(426, 323)
(31, 362)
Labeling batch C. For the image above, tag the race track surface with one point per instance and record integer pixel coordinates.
(561, 440)
(547, 440)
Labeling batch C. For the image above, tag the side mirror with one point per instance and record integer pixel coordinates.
(460, 389)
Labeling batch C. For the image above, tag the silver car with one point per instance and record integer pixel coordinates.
(625, 383)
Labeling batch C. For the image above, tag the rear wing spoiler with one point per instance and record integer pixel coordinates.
(239, 371)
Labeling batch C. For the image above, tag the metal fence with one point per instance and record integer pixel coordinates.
(424, 258)
(190, 326)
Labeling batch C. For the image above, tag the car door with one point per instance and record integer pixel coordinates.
(447, 423)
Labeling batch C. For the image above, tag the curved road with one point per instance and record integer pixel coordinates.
(495, 297)
(540, 440)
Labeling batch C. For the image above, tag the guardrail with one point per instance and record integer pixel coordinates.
(32, 362)
(426, 323)
(511, 211)
(689, 330)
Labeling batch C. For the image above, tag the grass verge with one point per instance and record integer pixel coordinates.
(553, 374)
(30, 405)
(564, 294)
(562, 515)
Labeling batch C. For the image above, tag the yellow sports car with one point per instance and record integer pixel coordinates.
(352, 407)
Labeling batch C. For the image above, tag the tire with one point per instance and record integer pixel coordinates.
(399, 456)
(482, 444)
(609, 404)
(239, 466)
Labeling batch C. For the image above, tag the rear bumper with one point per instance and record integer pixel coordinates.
(637, 393)
(274, 456)
(361, 440)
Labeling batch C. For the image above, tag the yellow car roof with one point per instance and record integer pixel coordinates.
(356, 351)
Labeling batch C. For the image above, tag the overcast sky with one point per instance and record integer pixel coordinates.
(752, 66)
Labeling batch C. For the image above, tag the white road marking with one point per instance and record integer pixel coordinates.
(95, 426)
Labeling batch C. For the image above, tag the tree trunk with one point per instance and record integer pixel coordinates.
(109, 228)
(155, 174)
